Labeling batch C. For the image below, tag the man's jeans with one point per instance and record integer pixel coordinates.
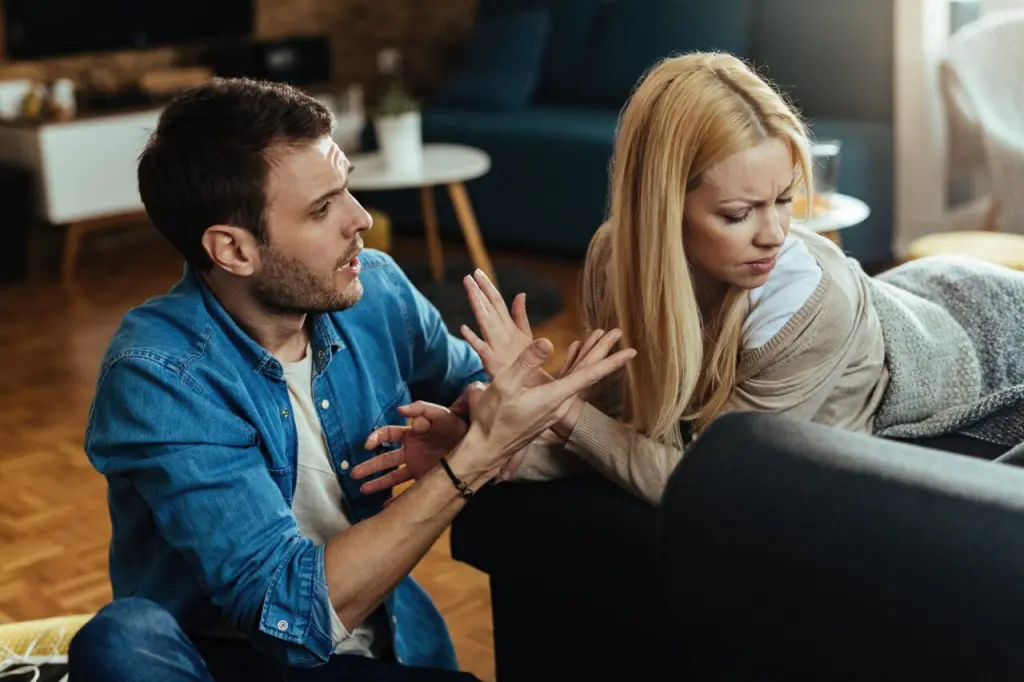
(136, 639)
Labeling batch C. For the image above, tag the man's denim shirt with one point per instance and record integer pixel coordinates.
(193, 428)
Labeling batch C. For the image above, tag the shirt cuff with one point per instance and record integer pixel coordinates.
(296, 605)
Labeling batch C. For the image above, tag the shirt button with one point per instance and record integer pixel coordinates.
(394, 620)
(344, 465)
(325, 403)
(282, 625)
(284, 413)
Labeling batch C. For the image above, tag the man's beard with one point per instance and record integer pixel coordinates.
(287, 285)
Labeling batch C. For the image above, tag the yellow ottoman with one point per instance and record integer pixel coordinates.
(1001, 248)
(379, 236)
(38, 641)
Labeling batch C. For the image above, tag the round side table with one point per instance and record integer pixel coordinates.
(443, 164)
(844, 212)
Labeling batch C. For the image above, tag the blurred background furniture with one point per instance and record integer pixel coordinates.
(17, 196)
(995, 247)
(982, 76)
(62, 156)
(984, 91)
(546, 110)
(442, 164)
(847, 529)
(840, 213)
(38, 649)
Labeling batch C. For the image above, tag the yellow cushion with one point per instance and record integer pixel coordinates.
(379, 236)
(996, 247)
(47, 637)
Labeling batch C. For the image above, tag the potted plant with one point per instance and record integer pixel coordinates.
(399, 129)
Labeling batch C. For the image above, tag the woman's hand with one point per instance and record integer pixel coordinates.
(520, 405)
(505, 335)
(431, 434)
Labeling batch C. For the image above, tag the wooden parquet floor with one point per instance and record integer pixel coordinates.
(54, 525)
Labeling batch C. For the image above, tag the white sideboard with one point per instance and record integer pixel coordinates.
(85, 168)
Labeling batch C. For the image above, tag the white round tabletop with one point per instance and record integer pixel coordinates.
(443, 164)
(846, 211)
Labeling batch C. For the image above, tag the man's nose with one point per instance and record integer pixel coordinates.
(359, 221)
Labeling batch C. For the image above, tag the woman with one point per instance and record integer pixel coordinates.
(729, 308)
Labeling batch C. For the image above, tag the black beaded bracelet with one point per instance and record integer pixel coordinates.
(464, 490)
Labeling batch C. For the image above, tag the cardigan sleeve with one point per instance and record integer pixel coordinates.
(600, 439)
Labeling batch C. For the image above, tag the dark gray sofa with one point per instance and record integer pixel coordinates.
(782, 550)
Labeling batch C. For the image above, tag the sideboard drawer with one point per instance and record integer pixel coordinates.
(89, 167)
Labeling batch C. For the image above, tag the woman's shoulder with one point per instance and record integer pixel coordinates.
(830, 314)
(793, 282)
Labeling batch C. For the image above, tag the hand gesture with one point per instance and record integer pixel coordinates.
(432, 433)
(505, 335)
(520, 405)
(595, 348)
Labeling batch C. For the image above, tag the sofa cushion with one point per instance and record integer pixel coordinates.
(571, 24)
(501, 66)
(632, 35)
(597, 125)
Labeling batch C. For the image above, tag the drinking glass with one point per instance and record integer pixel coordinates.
(826, 155)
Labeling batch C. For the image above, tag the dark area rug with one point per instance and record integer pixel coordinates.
(543, 299)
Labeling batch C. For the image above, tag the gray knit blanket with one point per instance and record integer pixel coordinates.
(954, 343)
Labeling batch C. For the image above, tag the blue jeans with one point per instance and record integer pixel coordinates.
(136, 639)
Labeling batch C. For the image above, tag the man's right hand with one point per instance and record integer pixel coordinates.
(510, 412)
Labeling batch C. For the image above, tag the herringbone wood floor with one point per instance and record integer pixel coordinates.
(54, 526)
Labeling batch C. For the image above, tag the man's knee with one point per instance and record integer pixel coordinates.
(110, 643)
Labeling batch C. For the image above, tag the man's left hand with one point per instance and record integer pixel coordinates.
(431, 434)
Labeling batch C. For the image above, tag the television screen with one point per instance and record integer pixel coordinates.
(35, 29)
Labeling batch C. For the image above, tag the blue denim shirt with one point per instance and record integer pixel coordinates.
(192, 426)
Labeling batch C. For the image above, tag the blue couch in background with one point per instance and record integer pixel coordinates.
(542, 83)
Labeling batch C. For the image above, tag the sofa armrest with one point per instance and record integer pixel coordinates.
(572, 568)
(794, 551)
(523, 530)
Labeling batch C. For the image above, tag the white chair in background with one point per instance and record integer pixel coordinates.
(983, 80)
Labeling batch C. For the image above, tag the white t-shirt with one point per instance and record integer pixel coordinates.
(318, 502)
(795, 277)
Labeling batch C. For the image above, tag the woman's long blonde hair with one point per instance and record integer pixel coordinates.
(686, 115)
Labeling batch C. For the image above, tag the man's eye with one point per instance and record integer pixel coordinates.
(323, 210)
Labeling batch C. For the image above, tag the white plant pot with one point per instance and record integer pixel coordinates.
(401, 141)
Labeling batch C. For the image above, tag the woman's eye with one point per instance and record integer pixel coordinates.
(736, 218)
(784, 200)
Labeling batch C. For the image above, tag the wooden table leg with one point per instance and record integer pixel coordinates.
(69, 255)
(434, 250)
(470, 229)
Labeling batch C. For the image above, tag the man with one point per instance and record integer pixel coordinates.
(230, 412)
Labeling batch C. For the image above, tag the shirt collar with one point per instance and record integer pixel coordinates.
(325, 341)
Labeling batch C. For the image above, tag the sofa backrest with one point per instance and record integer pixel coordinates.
(598, 49)
(630, 36)
(572, 22)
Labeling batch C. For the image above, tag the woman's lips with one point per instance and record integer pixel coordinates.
(761, 266)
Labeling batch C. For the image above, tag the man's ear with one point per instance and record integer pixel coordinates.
(233, 249)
